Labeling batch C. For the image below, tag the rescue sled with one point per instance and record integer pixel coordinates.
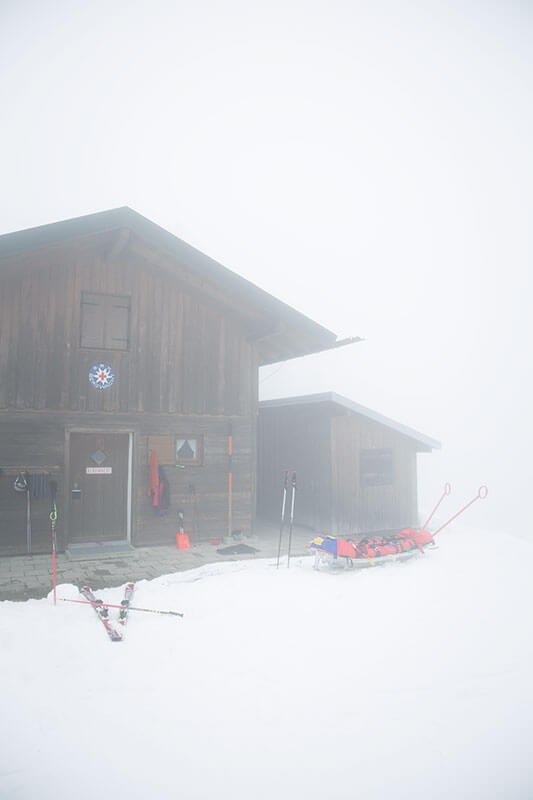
(372, 551)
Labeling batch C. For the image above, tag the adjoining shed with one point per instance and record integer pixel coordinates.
(122, 350)
(356, 469)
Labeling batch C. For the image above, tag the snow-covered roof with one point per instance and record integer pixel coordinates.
(356, 408)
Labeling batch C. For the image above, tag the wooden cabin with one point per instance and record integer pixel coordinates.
(121, 348)
(356, 470)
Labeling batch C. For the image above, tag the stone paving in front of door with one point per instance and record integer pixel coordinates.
(25, 577)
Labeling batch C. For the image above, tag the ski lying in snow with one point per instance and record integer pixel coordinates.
(102, 614)
(123, 613)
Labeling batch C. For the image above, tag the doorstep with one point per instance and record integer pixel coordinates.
(96, 551)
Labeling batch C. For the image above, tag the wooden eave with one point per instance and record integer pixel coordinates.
(332, 404)
(278, 330)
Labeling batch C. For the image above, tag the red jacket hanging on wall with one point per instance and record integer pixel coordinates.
(159, 486)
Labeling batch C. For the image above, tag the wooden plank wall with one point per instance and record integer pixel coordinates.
(363, 509)
(40, 440)
(325, 451)
(189, 368)
(36, 446)
(185, 355)
(200, 491)
(294, 439)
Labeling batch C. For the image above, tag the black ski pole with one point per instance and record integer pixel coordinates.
(293, 483)
(283, 501)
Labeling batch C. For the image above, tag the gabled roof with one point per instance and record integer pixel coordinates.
(283, 332)
(337, 403)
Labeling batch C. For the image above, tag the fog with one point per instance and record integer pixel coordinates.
(369, 163)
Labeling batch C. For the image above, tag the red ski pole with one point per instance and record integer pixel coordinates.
(481, 495)
(130, 608)
(53, 519)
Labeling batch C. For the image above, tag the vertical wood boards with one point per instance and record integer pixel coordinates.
(295, 440)
(200, 491)
(371, 508)
(188, 368)
(34, 446)
(325, 449)
(46, 441)
(184, 355)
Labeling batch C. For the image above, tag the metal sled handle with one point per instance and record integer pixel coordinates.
(447, 491)
(481, 495)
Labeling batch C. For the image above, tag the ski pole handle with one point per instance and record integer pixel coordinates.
(481, 495)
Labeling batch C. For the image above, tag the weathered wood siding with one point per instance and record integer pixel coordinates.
(36, 445)
(361, 509)
(39, 442)
(325, 451)
(185, 356)
(200, 491)
(295, 440)
(189, 368)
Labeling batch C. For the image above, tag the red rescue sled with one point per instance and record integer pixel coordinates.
(370, 551)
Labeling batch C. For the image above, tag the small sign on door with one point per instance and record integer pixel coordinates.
(98, 470)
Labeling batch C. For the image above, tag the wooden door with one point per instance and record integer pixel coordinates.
(98, 487)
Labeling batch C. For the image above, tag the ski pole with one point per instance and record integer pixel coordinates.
(28, 518)
(447, 491)
(481, 495)
(53, 519)
(130, 608)
(293, 483)
(284, 498)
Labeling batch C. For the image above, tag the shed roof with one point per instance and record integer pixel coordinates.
(283, 332)
(337, 403)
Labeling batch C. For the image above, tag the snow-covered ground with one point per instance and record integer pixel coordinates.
(411, 680)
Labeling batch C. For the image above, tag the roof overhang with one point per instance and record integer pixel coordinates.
(278, 330)
(337, 404)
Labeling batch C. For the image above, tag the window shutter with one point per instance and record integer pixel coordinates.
(105, 321)
(117, 323)
(92, 320)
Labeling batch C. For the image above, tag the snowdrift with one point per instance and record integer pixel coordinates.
(412, 681)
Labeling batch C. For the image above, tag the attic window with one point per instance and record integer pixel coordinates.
(376, 467)
(189, 450)
(105, 321)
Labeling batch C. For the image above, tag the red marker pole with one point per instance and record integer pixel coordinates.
(53, 519)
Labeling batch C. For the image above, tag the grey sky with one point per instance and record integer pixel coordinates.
(368, 162)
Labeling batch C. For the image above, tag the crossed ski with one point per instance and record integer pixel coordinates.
(101, 609)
